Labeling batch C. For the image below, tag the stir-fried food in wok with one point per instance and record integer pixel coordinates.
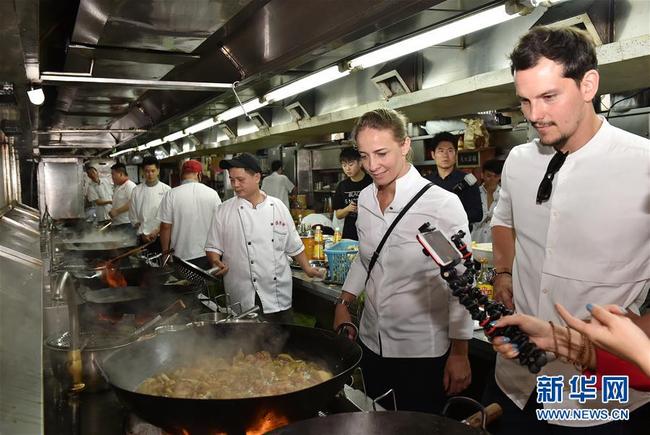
(246, 375)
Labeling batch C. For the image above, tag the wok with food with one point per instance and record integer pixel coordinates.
(227, 377)
(246, 375)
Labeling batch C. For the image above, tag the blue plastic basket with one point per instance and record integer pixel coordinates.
(339, 259)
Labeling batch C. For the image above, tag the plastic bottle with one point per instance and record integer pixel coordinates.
(319, 253)
(337, 235)
(483, 282)
(300, 226)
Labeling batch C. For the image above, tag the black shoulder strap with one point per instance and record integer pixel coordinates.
(401, 214)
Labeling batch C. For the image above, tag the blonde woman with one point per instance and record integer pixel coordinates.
(413, 332)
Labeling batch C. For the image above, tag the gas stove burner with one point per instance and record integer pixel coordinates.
(134, 425)
(348, 400)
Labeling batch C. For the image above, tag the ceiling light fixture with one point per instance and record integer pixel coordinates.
(36, 96)
(175, 136)
(205, 124)
(234, 112)
(153, 143)
(455, 29)
(306, 83)
(119, 153)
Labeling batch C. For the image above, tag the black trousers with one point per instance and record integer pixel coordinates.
(417, 382)
(285, 316)
(516, 421)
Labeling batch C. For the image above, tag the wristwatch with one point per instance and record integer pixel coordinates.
(342, 302)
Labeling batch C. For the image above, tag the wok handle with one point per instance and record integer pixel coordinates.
(343, 329)
(492, 412)
(480, 419)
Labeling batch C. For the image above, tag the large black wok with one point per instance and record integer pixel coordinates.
(128, 367)
(385, 423)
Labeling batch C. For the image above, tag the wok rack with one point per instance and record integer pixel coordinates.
(194, 274)
(203, 280)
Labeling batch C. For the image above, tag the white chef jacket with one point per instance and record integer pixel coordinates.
(189, 209)
(143, 208)
(102, 191)
(590, 243)
(482, 232)
(278, 186)
(122, 196)
(254, 243)
(409, 310)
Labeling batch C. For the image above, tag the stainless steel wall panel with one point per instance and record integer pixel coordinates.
(326, 159)
(20, 325)
(4, 178)
(61, 188)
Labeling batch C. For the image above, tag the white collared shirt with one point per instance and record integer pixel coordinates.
(104, 192)
(254, 242)
(122, 196)
(189, 209)
(482, 232)
(590, 243)
(143, 208)
(278, 186)
(409, 310)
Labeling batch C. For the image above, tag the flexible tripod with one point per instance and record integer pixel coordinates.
(480, 307)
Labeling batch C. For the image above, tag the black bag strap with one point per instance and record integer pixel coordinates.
(375, 255)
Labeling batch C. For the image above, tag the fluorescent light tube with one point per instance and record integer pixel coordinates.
(119, 153)
(153, 143)
(447, 32)
(234, 112)
(174, 136)
(306, 83)
(206, 123)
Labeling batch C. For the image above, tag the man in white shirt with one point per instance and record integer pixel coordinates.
(277, 184)
(145, 201)
(250, 238)
(185, 214)
(581, 235)
(121, 195)
(100, 193)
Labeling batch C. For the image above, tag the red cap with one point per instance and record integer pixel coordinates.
(192, 166)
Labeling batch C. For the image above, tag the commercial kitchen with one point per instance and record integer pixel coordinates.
(88, 312)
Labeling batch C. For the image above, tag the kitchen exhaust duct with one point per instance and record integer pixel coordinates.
(297, 111)
(262, 118)
(398, 77)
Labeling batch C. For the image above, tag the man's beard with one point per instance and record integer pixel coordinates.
(557, 144)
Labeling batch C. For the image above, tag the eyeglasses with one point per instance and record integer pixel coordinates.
(545, 187)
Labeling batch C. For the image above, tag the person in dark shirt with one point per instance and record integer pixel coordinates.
(347, 191)
(443, 148)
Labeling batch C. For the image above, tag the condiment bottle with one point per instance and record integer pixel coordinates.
(319, 253)
(337, 235)
(483, 282)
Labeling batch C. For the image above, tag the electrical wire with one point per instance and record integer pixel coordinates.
(623, 99)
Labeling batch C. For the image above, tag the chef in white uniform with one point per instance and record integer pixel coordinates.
(145, 201)
(121, 195)
(250, 237)
(185, 214)
(100, 193)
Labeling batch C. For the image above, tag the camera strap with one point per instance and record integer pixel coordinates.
(375, 255)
